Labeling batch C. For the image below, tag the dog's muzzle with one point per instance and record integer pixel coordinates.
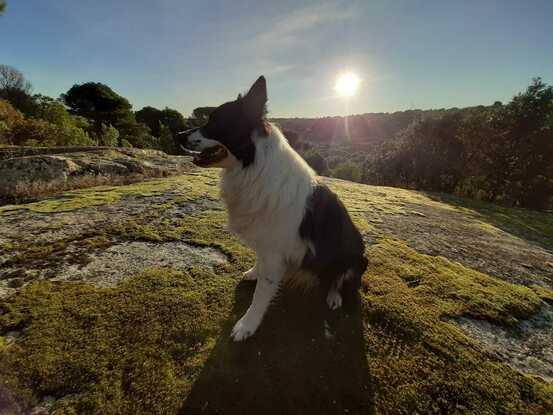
(181, 139)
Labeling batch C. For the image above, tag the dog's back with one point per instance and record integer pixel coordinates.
(336, 248)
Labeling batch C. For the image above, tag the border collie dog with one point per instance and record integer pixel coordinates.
(276, 205)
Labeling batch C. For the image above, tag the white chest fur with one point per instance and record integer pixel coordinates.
(266, 201)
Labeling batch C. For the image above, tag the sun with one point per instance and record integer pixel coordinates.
(347, 84)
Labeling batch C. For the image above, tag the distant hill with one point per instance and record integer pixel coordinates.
(360, 128)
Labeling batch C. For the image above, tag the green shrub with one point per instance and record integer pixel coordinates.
(9, 116)
(348, 171)
(316, 161)
(125, 143)
(166, 140)
(42, 133)
(108, 136)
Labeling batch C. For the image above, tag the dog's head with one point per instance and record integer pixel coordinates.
(226, 140)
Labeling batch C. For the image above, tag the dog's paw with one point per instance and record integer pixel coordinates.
(251, 274)
(243, 329)
(334, 300)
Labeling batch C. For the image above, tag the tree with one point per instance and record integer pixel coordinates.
(52, 111)
(37, 132)
(173, 120)
(100, 104)
(200, 115)
(109, 136)
(137, 134)
(16, 89)
(316, 161)
(166, 140)
(529, 121)
(348, 171)
(293, 138)
(153, 118)
(2, 6)
(9, 117)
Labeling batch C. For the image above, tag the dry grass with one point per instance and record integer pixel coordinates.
(25, 192)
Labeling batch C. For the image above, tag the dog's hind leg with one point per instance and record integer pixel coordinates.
(334, 297)
(268, 282)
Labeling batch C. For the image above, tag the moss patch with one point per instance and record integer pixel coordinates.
(524, 223)
(135, 348)
(423, 363)
(190, 186)
(443, 288)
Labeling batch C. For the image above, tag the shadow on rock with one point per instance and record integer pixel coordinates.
(303, 359)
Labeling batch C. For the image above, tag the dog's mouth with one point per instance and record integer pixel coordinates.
(209, 156)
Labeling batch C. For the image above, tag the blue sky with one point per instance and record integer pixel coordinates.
(185, 54)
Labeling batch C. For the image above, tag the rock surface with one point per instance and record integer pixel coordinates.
(107, 236)
(25, 171)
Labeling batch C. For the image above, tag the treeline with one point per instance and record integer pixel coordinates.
(88, 114)
(361, 128)
(501, 153)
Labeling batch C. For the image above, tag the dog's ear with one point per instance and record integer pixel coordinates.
(256, 98)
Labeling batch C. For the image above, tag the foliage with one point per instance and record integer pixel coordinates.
(55, 127)
(200, 115)
(137, 134)
(38, 132)
(347, 170)
(164, 125)
(99, 103)
(316, 161)
(9, 117)
(109, 136)
(166, 140)
(53, 111)
(125, 143)
(2, 6)
(154, 118)
(16, 89)
(150, 117)
(502, 153)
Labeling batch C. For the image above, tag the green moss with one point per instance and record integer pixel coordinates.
(525, 223)
(432, 366)
(444, 288)
(131, 349)
(546, 294)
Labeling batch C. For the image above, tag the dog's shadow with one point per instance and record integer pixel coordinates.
(303, 359)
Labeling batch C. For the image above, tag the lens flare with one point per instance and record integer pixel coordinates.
(347, 84)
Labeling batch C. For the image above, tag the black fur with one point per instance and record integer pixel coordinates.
(233, 123)
(337, 242)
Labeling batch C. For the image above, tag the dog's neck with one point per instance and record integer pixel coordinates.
(277, 178)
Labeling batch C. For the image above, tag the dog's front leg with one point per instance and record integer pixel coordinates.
(270, 275)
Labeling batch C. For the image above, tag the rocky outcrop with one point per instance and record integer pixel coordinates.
(26, 175)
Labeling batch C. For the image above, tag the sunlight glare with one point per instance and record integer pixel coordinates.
(347, 84)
